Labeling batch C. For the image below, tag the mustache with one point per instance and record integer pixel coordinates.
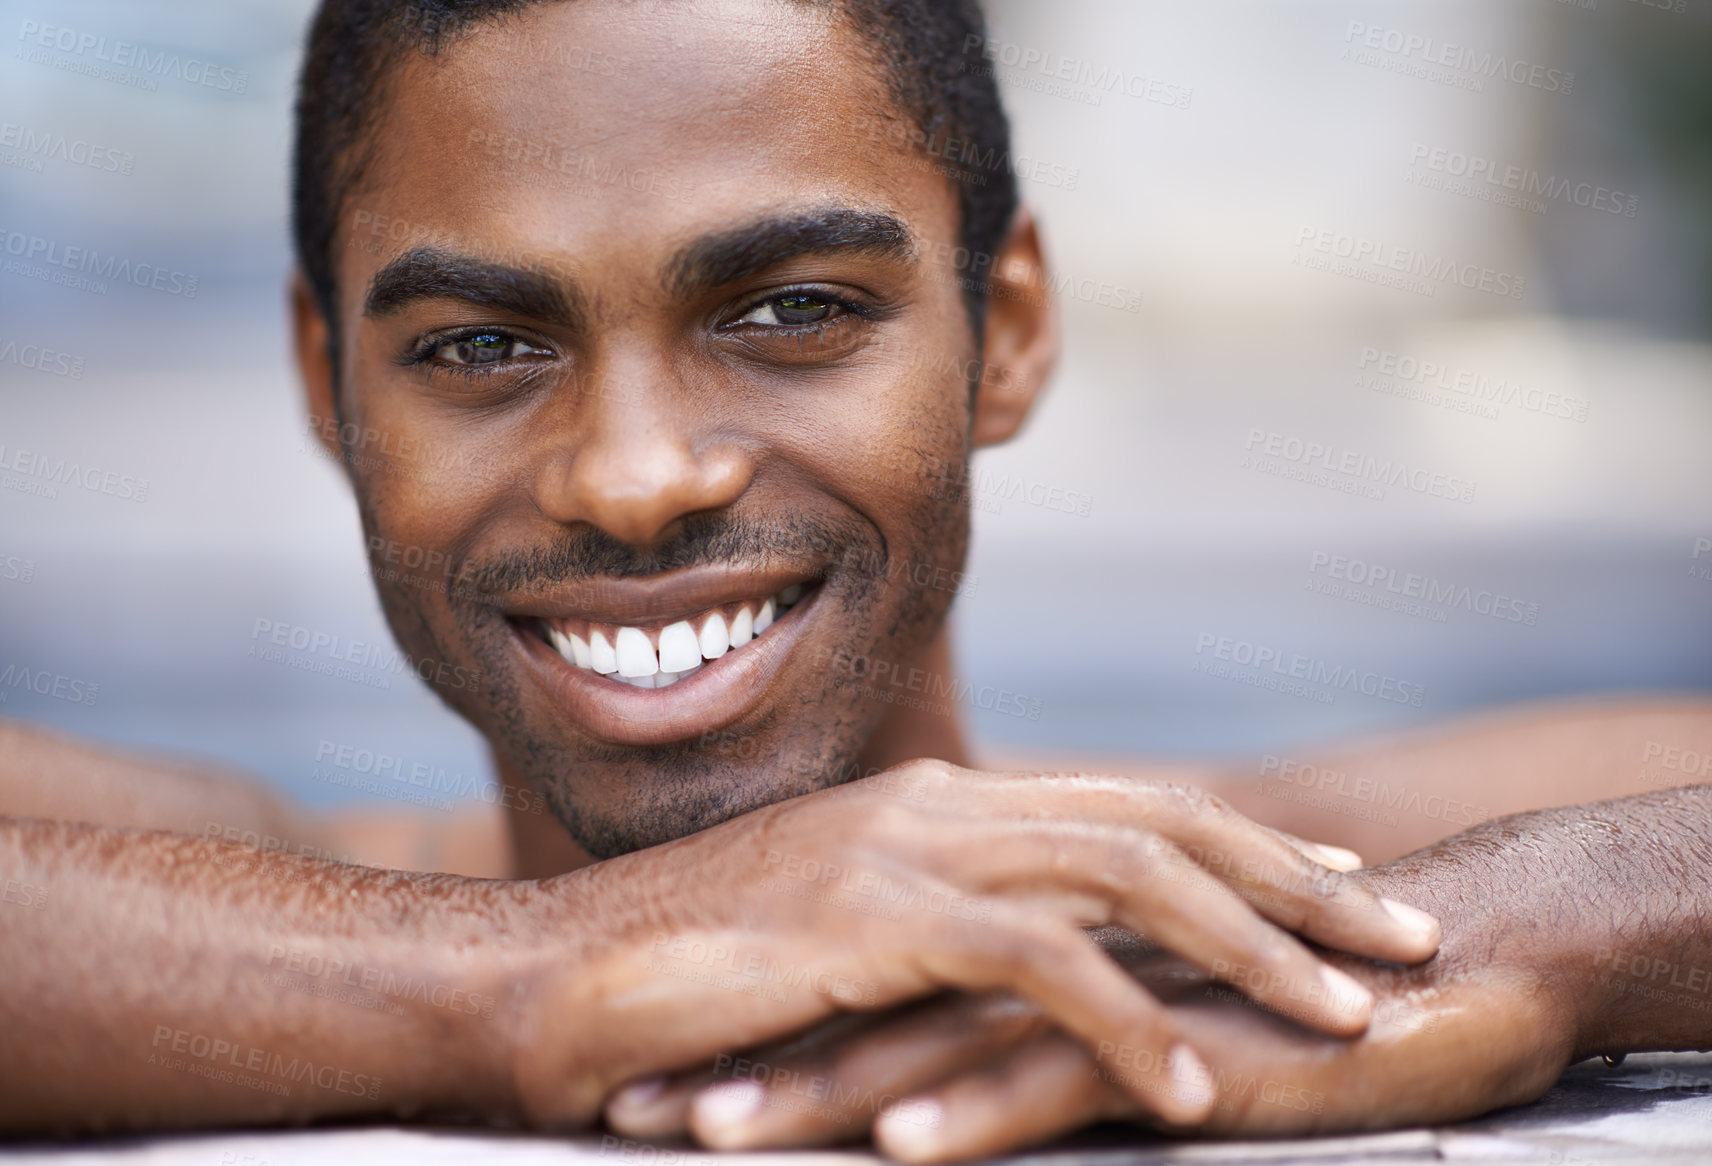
(587, 554)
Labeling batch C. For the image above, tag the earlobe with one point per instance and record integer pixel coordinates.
(310, 339)
(1022, 338)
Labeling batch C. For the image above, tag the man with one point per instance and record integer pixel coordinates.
(675, 346)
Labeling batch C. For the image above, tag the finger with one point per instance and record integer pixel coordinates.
(1156, 891)
(1039, 1090)
(655, 1107)
(659, 1106)
(835, 1092)
(1071, 979)
(1331, 857)
(1259, 863)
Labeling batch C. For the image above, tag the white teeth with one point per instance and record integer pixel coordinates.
(635, 654)
(601, 656)
(557, 638)
(634, 661)
(679, 648)
(742, 627)
(715, 641)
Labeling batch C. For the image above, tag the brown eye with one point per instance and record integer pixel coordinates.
(793, 309)
(481, 349)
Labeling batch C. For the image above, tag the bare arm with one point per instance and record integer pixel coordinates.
(1391, 795)
(52, 777)
(155, 980)
(184, 981)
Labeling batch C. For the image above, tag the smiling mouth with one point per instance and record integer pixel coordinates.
(659, 655)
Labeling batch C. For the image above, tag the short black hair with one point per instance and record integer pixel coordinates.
(930, 52)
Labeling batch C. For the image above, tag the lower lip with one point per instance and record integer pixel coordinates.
(716, 694)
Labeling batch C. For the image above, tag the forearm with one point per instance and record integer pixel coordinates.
(1387, 797)
(153, 980)
(1609, 903)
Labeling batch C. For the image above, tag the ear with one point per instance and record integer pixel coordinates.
(1021, 344)
(310, 337)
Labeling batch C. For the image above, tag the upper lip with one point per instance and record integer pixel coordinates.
(651, 599)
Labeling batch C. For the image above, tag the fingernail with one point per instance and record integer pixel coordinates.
(639, 1092)
(1190, 1078)
(730, 1103)
(1338, 858)
(1419, 922)
(911, 1130)
(1342, 993)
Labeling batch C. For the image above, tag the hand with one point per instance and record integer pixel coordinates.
(1492, 1021)
(928, 877)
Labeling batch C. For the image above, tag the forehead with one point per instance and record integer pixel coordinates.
(590, 128)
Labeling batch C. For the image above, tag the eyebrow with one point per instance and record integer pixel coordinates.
(432, 273)
(724, 258)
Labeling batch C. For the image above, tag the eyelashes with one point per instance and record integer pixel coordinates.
(803, 317)
(479, 351)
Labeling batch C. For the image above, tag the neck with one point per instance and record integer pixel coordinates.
(542, 847)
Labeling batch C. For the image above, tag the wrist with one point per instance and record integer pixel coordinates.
(1596, 906)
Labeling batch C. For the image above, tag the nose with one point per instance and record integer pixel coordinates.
(631, 454)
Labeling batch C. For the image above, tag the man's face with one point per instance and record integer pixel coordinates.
(647, 325)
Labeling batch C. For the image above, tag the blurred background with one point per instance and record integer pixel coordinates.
(1300, 246)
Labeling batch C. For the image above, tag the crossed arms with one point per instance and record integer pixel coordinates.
(916, 942)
